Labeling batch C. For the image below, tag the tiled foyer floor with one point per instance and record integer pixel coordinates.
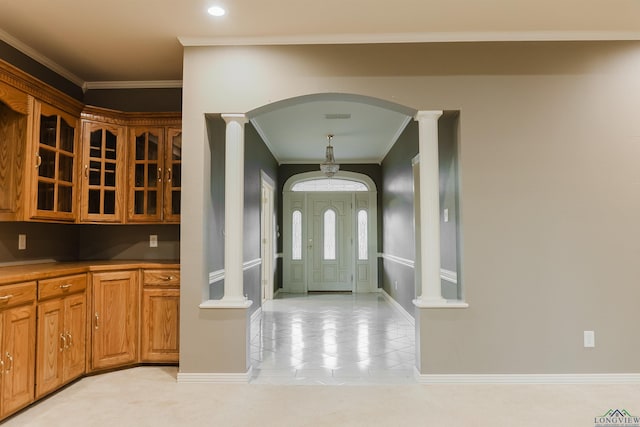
(332, 339)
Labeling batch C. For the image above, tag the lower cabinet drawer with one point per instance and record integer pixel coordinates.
(13, 295)
(61, 286)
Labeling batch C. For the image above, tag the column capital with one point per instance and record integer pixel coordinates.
(235, 117)
(427, 115)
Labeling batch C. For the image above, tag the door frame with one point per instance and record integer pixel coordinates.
(267, 236)
(298, 201)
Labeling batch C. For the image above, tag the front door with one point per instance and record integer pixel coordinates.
(330, 242)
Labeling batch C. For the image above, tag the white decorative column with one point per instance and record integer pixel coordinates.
(234, 209)
(429, 210)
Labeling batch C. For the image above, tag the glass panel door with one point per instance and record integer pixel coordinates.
(173, 176)
(146, 177)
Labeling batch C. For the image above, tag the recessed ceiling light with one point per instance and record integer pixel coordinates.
(216, 11)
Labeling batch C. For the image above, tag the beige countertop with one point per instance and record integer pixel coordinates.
(28, 272)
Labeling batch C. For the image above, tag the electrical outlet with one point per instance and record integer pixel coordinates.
(153, 240)
(22, 242)
(589, 339)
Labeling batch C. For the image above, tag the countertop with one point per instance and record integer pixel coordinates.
(29, 272)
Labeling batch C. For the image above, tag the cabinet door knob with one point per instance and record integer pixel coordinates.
(169, 175)
(86, 171)
(97, 318)
(70, 341)
(38, 161)
(169, 278)
(159, 174)
(63, 342)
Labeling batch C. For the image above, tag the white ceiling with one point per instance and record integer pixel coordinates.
(137, 40)
(139, 43)
(298, 133)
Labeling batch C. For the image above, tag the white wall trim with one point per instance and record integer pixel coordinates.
(218, 275)
(395, 304)
(527, 378)
(449, 276)
(422, 37)
(256, 315)
(42, 59)
(212, 378)
(135, 84)
(402, 261)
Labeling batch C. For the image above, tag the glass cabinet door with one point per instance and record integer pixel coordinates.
(146, 175)
(55, 159)
(173, 181)
(102, 186)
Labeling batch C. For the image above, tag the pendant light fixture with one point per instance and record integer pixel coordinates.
(329, 167)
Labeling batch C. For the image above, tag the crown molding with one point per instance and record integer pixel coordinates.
(434, 37)
(42, 59)
(142, 84)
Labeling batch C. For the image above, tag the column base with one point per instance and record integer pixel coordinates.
(227, 303)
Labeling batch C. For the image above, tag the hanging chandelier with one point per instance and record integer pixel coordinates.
(329, 167)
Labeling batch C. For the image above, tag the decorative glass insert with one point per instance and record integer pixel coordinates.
(363, 237)
(329, 184)
(329, 227)
(296, 235)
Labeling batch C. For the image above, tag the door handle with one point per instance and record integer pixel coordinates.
(63, 342)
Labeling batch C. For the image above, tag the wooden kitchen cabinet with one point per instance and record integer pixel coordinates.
(115, 318)
(61, 336)
(17, 346)
(103, 178)
(53, 162)
(155, 171)
(160, 338)
(14, 117)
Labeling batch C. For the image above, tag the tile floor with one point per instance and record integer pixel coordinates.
(332, 339)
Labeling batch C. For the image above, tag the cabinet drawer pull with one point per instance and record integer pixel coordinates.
(67, 286)
(63, 341)
(97, 318)
(6, 297)
(10, 359)
(38, 161)
(169, 278)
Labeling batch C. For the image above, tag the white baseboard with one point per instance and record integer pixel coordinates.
(398, 307)
(527, 378)
(212, 378)
(256, 315)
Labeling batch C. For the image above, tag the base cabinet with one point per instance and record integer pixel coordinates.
(160, 336)
(17, 346)
(61, 345)
(115, 319)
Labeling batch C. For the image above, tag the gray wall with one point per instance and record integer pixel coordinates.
(398, 238)
(132, 100)
(78, 242)
(398, 211)
(257, 159)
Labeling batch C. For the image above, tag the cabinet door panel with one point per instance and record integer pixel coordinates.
(50, 346)
(160, 330)
(146, 174)
(75, 331)
(115, 324)
(103, 177)
(19, 358)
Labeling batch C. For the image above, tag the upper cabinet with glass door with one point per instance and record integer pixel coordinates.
(155, 169)
(55, 157)
(103, 167)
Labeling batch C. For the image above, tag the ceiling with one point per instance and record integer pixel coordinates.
(139, 43)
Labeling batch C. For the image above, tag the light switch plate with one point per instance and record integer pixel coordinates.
(153, 240)
(22, 242)
(589, 339)
(446, 215)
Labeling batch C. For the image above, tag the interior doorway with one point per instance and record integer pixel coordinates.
(330, 233)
